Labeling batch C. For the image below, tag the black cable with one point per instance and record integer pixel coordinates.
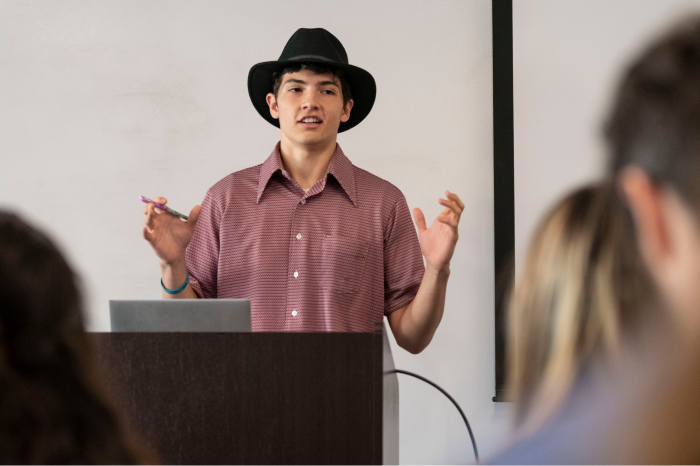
(471, 434)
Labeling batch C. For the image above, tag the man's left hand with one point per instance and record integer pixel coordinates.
(437, 243)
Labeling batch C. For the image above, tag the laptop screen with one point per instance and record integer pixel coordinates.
(180, 315)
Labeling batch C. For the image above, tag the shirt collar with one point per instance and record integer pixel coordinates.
(340, 167)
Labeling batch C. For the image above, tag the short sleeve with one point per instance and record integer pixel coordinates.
(403, 261)
(202, 255)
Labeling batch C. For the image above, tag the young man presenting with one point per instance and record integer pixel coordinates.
(314, 242)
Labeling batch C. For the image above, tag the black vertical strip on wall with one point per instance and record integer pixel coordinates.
(503, 188)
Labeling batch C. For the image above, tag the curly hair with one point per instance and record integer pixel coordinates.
(52, 409)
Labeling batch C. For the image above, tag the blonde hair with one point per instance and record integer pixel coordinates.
(581, 281)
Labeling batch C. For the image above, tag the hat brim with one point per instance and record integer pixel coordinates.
(362, 85)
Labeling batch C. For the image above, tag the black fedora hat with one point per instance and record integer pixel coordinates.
(314, 46)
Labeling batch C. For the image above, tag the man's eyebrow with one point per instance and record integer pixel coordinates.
(298, 81)
(329, 83)
(322, 83)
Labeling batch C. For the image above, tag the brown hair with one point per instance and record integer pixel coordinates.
(52, 409)
(581, 284)
(655, 120)
(316, 69)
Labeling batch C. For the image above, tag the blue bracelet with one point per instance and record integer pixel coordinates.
(187, 280)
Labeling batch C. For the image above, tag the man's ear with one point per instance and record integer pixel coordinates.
(647, 202)
(345, 116)
(272, 103)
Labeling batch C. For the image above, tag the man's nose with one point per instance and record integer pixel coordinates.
(310, 101)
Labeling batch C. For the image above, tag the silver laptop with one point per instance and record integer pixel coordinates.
(181, 315)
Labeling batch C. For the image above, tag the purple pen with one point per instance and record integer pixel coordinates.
(163, 207)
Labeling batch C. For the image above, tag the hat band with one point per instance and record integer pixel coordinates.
(315, 57)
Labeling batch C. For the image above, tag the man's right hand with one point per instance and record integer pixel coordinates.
(168, 234)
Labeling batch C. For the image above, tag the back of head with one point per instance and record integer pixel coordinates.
(656, 116)
(655, 126)
(580, 287)
(645, 410)
(51, 410)
(39, 300)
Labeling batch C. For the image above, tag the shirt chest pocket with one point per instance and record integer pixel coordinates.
(342, 263)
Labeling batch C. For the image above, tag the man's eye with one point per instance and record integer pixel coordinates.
(330, 92)
(294, 89)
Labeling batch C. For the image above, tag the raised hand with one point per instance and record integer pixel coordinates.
(438, 242)
(168, 234)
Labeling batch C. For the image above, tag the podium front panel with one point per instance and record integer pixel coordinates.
(254, 398)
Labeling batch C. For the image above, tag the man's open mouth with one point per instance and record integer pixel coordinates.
(310, 120)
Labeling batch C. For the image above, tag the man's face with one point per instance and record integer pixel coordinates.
(310, 108)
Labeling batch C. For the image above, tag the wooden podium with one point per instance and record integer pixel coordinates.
(257, 398)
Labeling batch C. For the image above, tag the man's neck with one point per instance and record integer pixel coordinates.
(306, 165)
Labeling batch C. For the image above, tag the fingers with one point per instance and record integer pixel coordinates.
(194, 216)
(147, 235)
(447, 218)
(159, 200)
(452, 202)
(150, 219)
(419, 219)
(453, 205)
(455, 198)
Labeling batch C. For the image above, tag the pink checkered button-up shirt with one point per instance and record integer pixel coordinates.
(334, 259)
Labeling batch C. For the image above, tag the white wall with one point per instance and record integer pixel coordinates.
(101, 102)
(568, 57)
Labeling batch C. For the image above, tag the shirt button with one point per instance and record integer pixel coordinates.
(298, 235)
(303, 201)
(296, 274)
(294, 313)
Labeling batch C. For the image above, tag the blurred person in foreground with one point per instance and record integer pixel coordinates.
(52, 410)
(580, 291)
(647, 411)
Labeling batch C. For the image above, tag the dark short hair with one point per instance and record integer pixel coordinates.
(655, 120)
(316, 69)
